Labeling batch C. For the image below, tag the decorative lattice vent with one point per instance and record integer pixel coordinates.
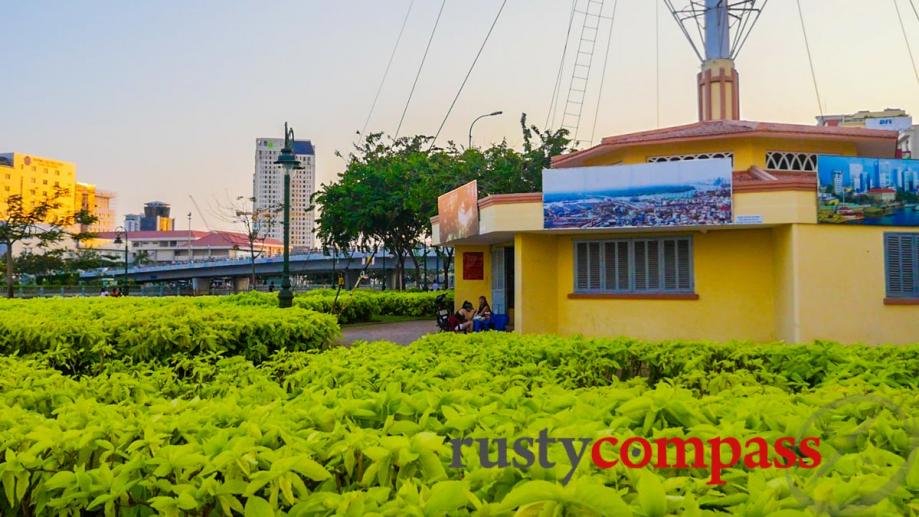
(682, 157)
(785, 161)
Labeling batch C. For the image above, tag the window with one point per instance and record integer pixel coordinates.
(784, 161)
(683, 157)
(901, 259)
(634, 265)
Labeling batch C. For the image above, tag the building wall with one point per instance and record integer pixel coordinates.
(132, 222)
(786, 274)
(734, 279)
(104, 211)
(841, 283)
(471, 289)
(34, 177)
(794, 281)
(268, 192)
(84, 198)
(536, 294)
(511, 217)
(778, 207)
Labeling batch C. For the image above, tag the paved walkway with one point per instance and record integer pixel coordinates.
(403, 332)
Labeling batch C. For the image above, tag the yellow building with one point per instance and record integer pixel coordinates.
(97, 202)
(772, 273)
(104, 210)
(35, 178)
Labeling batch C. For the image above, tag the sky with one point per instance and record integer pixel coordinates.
(164, 100)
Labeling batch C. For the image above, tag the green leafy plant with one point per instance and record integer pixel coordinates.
(364, 430)
(355, 306)
(76, 335)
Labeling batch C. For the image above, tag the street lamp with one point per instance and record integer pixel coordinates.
(287, 160)
(118, 241)
(492, 114)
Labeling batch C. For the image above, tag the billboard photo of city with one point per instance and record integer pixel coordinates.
(867, 191)
(683, 193)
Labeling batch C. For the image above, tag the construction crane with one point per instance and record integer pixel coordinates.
(200, 213)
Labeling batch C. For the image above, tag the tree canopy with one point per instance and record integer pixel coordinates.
(388, 191)
(42, 224)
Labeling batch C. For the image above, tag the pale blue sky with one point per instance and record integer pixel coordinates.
(156, 100)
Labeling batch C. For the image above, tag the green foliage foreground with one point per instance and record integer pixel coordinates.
(78, 335)
(359, 305)
(362, 430)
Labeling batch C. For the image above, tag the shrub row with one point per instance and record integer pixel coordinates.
(462, 362)
(75, 334)
(354, 306)
(363, 430)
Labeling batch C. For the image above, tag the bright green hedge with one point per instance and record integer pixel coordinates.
(77, 333)
(355, 306)
(361, 430)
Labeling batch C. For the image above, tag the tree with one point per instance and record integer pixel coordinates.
(378, 200)
(539, 146)
(257, 225)
(87, 258)
(388, 191)
(141, 258)
(40, 222)
(40, 264)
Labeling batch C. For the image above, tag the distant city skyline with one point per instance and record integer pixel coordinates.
(162, 100)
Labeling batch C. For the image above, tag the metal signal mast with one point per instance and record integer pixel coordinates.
(583, 62)
(716, 31)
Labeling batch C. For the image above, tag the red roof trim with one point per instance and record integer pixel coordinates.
(200, 238)
(724, 129)
(150, 234)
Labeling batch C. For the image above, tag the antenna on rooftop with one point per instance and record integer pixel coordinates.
(716, 31)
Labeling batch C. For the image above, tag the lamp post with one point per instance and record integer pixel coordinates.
(118, 241)
(287, 160)
(492, 114)
(191, 253)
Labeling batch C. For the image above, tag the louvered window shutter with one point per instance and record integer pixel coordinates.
(902, 264)
(581, 266)
(634, 265)
(593, 281)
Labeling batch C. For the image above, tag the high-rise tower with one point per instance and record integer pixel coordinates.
(268, 191)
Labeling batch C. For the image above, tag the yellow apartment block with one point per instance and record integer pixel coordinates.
(775, 274)
(35, 178)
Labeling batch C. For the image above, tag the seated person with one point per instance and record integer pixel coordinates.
(484, 311)
(466, 314)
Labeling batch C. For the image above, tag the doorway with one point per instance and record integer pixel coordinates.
(502, 279)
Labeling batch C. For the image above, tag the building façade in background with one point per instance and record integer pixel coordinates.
(268, 191)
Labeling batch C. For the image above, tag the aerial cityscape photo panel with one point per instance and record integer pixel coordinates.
(868, 191)
(684, 193)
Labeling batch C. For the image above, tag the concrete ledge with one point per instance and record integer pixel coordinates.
(901, 301)
(633, 296)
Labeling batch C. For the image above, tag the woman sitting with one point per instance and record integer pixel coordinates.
(483, 314)
(466, 315)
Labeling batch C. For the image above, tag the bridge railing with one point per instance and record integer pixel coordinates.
(33, 291)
